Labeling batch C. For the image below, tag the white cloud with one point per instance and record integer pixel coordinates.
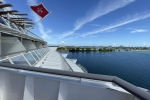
(52, 43)
(45, 33)
(139, 31)
(112, 30)
(126, 20)
(104, 7)
(144, 43)
(96, 25)
(62, 42)
(71, 38)
(66, 34)
(114, 44)
(93, 36)
(32, 2)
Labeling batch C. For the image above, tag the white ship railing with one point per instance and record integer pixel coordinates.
(29, 59)
(78, 78)
(10, 28)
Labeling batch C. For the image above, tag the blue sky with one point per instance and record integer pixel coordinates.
(91, 22)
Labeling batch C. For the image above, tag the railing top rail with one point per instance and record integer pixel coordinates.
(141, 94)
(29, 33)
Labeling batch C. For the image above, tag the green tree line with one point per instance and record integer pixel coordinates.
(73, 49)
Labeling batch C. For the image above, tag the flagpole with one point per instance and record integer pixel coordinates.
(39, 21)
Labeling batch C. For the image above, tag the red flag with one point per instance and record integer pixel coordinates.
(40, 10)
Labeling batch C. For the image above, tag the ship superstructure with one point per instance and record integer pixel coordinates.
(30, 70)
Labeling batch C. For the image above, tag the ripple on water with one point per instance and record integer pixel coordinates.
(133, 67)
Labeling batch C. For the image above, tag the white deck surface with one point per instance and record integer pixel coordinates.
(55, 61)
(74, 67)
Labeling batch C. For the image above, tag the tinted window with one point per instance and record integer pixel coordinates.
(34, 55)
(37, 54)
(40, 52)
(5, 61)
(20, 29)
(2, 22)
(29, 58)
(12, 26)
(19, 60)
(47, 49)
(43, 51)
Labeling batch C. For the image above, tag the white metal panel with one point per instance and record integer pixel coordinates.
(29, 88)
(13, 85)
(74, 66)
(54, 87)
(83, 92)
(63, 91)
(45, 89)
(53, 60)
(64, 55)
(11, 45)
(1, 85)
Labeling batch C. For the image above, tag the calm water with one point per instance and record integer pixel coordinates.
(133, 67)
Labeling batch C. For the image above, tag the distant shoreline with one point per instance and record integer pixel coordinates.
(138, 50)
(105, 51)
(102, 49)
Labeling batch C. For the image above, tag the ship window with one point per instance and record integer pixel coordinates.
(19, 60)
(21, 30)
(38, 53)
(1, 21)
(41, 52)
(45, 50)
(12, 26)
(29, 58)
(5, 61)
(34, 55)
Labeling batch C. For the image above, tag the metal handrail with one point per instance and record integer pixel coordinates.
(65, 61)
(29, 32)
(139, 93)
(35, 35)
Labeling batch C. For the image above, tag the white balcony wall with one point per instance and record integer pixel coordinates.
(11, 86)
(11, 45)
(28, 44)
(38, 45)
(15, 86)
(0, 46)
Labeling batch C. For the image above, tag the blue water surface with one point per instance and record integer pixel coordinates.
(133, 67)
